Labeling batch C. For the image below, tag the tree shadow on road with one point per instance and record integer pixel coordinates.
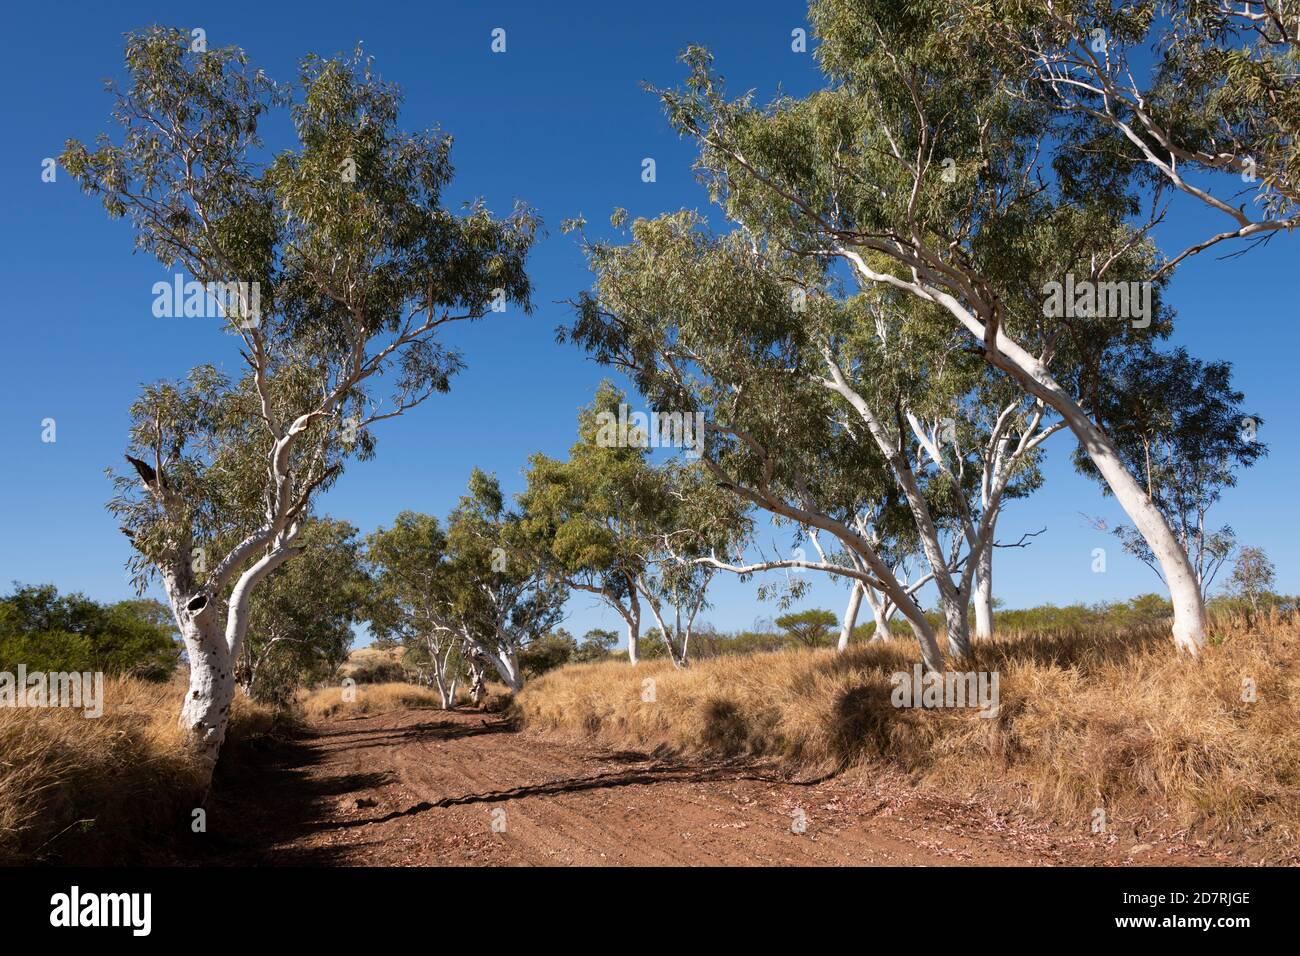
(260, 810)
(282, 807)
(432, 731)
(654, 773)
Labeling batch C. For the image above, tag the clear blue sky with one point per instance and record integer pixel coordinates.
(559, 120)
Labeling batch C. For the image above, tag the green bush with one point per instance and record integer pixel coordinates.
(547, 653)
(46, 632)
(379, 671)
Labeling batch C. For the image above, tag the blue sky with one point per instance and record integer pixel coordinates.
(559, 120)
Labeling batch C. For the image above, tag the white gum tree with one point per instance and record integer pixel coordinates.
(883, 609)
(918, 171)
(700, 520)
(412, 601)
(502, 594)
(818, 407)
(615, 524)
(771, 437)
(956, 445)
(339, 267)
(594, 516)
(302, 615)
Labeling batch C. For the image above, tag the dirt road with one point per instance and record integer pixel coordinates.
(423, 787)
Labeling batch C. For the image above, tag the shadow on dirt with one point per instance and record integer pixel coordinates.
(262, 810)
(262, 807)
(441, 730)
(656, 773)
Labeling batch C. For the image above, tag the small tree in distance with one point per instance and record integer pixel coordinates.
(811, 628)
(411, 602)
(1252, 576)
(503, 597)
(596, 645)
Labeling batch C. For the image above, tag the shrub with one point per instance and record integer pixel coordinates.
(46, 632)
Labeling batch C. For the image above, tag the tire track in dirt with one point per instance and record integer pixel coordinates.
(423, 787)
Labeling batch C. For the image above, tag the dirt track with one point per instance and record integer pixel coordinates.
(423, 787)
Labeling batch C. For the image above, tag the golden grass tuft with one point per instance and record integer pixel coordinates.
(327, 702)
(1114, 720)
(89, 790)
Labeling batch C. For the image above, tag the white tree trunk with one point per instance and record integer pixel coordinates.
(1184, 592)
(477, 688)
(502, 657)
(911, 611)
(213, 651)
(633, 641)
(955, 606)
(925, 636)
(983, 597)
(1033, 376)
(953, 600)
(442, 668)
(206, 711)
(850, 616)
(441, 685)
(507, 666)
(673, 641)
(882, 614)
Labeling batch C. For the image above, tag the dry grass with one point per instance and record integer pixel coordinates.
(374, 664)
(88, 790)
(1115, 720)
(369, 655)
(327, 702)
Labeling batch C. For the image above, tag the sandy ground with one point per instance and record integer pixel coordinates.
(424, 787)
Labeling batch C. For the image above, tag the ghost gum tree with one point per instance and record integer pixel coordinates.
(702, 519)
(465, 598)
(413, 599)
(357, 267)
(1180, 426)
(991, 456)
(892, 533)
(832, 413)
(505, 595)
(919, 169)
(594, 515)
(618, 526)
(703, 327)
(957, 445)
(1209, 113)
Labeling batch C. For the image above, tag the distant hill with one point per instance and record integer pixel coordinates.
(374, 664)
